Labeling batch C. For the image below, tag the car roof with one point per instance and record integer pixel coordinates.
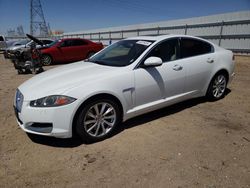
(163, 37)
(73, 39)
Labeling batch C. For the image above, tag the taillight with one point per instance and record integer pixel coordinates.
(233, 57)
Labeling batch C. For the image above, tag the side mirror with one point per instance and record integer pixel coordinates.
(153, 62)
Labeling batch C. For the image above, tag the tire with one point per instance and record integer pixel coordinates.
(46, 59)
(90, 54)
(28, 71)
(217, 87)
(39, 70)
(20, 71)
(97, 120)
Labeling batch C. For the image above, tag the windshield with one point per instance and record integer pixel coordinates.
(122, 53)
(21, 42)
(52, 43)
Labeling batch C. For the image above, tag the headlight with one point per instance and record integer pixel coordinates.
(51, 101)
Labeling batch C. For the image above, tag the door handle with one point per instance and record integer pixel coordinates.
(209, 60)
(177, 68)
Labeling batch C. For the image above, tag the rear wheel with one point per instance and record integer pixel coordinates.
(217, 87)
(46, 59)
(97, 120)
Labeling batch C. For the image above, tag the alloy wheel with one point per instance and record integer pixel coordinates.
(219, 86)
(99, 119)
(46, 60)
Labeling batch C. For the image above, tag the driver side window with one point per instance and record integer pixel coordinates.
(167, 50)
(66, 43)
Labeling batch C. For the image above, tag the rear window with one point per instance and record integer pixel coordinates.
(193, 47)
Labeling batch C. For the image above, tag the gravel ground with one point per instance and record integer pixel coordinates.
(192, 144)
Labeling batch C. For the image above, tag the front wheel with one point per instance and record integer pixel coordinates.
(97, 120)
(217, 87)
(46, 59)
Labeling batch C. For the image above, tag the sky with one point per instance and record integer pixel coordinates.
(77, 15)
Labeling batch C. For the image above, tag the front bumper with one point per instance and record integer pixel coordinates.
(8, 54)
(53, 121)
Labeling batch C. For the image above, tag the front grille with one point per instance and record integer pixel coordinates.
(19, 100)
(42, 125)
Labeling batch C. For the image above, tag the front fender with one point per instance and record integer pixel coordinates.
(121, 87)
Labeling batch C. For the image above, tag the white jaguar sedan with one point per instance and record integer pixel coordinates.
(131, 77)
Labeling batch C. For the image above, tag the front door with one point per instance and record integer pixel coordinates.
(168, 80)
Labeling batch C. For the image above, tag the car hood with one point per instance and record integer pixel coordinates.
(10, 43)
(58, 80)
(16, 47)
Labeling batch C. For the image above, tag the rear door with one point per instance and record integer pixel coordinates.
(81, 49)
(74, 49)
(199, 59)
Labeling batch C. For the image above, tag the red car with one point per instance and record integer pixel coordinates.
(69, 50)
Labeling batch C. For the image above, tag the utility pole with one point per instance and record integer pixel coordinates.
(37, 20)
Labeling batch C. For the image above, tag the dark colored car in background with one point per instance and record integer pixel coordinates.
(69, 50)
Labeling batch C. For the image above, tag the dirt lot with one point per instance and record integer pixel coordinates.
(192, 144)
